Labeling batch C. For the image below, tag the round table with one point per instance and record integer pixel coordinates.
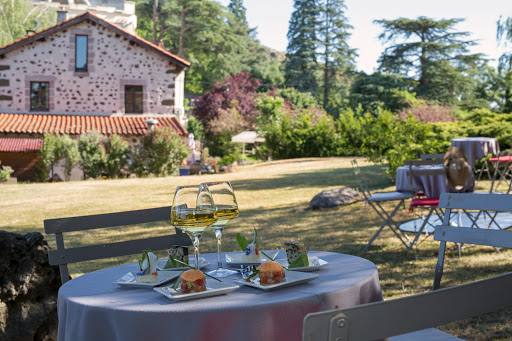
(91, 307)
(432, 185)
(476, 148)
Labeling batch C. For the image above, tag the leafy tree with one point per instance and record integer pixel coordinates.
(504, 36)
(299, 100)
(430, 51)
(116, 150)
(19, 17)
(195, 127)
(335, 54)
(301, 66)
(379, 91)
(67, 150)
(160, 153)
(91, 146)
(238, 91)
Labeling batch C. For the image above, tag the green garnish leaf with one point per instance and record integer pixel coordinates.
(143, 257)
(300, 262)
(242, 241)
(172, 262)
(176, 284)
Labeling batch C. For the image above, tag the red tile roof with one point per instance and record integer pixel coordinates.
(20, 145)
(79, 124)
(90, 16)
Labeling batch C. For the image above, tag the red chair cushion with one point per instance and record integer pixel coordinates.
(419, 202)
(507, 158)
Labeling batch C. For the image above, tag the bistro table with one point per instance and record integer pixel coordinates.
(431, 185)
(476, 148)
(91, 307)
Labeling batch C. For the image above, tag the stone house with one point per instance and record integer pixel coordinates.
(86, 73)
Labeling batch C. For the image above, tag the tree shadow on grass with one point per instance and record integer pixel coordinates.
(374, 176)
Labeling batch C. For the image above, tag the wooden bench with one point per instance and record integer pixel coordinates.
(64, 256)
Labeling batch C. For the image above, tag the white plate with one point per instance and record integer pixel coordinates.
(235, 258)
(213, 288)
(292, 278)
(161, 263)
(315, 263)
(128, 280)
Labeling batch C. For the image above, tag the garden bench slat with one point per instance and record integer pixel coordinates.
(477, 236)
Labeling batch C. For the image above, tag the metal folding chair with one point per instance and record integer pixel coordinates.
(502, 172)
(376, 200)
(423, 202)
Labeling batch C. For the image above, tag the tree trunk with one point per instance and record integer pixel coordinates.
(181, 48)
(326, 56)
(155, 20)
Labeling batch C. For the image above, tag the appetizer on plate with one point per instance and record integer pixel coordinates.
(147, 266)
(177, 254)
(192, 281)
(271, 273)
(296, 255)
(251, 252)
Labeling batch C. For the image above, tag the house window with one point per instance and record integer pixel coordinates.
(39, 96)
(80, 53)
(133, 99)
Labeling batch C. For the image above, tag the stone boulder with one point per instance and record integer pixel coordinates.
(29, 287)
(334, 197)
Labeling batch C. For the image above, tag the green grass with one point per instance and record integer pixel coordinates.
(272, 197)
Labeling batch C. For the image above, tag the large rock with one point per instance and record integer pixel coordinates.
(29, 287)
(335, 197)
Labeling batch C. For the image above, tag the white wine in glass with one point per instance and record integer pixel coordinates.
(227, 209)
(193, 210)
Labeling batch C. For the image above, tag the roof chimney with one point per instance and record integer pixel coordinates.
(62, 14)
(151, 124)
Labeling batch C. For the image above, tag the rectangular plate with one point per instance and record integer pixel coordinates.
(235, 258)
(128, 280)
(315, 263)
(161, 263)
(292, 278)
(213, 288)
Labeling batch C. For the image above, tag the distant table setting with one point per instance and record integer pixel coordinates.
(108, 304)
(431, 185)
(476, 148)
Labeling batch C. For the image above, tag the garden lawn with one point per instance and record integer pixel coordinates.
(273, 198)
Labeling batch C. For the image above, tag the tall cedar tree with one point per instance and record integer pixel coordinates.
(301, 66)
(504, 35)
(335, 54)
(437, 57)
(236, 7)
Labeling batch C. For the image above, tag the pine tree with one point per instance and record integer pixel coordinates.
(432, 52)
(335, 54)
(237, 8)
(301, 66)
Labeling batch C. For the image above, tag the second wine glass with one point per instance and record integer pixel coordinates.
(227, 209)
(193, 210)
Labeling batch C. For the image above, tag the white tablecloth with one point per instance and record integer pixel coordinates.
(90, 307)
(432, 185)
(476, 148)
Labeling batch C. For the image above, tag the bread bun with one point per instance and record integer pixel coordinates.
(270, 266)
(192, 275)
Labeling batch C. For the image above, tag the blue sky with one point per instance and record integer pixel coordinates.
(271, 18)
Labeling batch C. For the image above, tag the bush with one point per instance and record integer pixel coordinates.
(67, 150)
(92, 151)
(160, 153)
(5, 173)
(56, 148)
(46, 157)
(116, 150)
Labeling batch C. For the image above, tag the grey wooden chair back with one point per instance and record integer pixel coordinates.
(63, 256)
(468, 235)
(379, 320)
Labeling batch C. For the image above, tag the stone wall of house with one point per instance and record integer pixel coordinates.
(113, 62)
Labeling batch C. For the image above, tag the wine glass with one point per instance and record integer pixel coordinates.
(193, 210)
(227, 209)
